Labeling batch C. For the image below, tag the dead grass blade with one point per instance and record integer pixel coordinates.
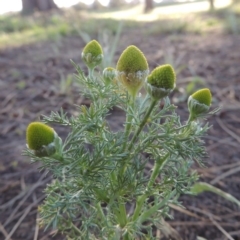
(224, 127)
(224, 175)
(4, 232)
(26, 195)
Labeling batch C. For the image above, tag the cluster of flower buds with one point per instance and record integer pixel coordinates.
(132, 72)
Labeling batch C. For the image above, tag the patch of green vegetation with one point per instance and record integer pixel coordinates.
(16, 30)
(223, 20)
(21, 85)
(167, 26)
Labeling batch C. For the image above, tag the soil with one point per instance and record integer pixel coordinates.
(30, 85)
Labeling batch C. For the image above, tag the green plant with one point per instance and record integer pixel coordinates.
(101, 187)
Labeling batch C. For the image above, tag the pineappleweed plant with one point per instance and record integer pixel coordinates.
(102, 187)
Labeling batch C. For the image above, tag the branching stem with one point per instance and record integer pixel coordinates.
(128, 125)
(123, 214)
(100, 211)
(142, 124)
(159, 164)
(140, 128)
(147, 214)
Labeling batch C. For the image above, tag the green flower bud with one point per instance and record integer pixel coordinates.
(109, 74)
(92, 54)
(199, 103)
(161, 81)
(132, 69)
(40, 139)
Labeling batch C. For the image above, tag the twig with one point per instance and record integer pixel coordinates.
(223, 126)
(36, 229)
(13, 200)
(235, 233)
(28, 209)
(6, 186)
(46, 237)
(37, 216)
(223, 167)
(205, 213)
(221, 229)
(11, 175)
(167, 230)
(29, 192)
(23, 184)
(182, 210)
(224, 175)
(4, 232)
(202, 223)
(225, 141)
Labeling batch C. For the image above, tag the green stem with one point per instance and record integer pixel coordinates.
(140, 128)
(123, 215)
(147, 97)
(128, 125)
(90, 72)
(147, 214)
(100, 211)
(76, 229)
(191, 118)
(126, 237)
(142, 124)
(158, 166)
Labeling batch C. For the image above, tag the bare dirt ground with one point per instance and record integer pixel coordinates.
(30, 85)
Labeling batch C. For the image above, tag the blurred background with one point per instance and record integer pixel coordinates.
(18, 5)
(200, 39)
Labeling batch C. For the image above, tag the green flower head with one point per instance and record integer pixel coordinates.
(39, 136)
(203, 96)
(92, 54)
(199, 103)
(132, 69)
(161, 81)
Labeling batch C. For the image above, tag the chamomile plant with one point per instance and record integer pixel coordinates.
(102, 187)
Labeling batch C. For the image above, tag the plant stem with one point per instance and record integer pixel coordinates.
(128, 122)
(147, 214)
(191, 118)
(123, 214)
(140, 128)
(147, 97)
(100, 211)
(90, 72)
(126, 237)
(158, 166)
(142, 124)
(76, 229)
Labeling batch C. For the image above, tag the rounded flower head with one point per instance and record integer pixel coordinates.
(109, 74)
(132, 69)
(161, 81)
(92, 54)
(39, 138)
(203, 96)
(199, 103)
